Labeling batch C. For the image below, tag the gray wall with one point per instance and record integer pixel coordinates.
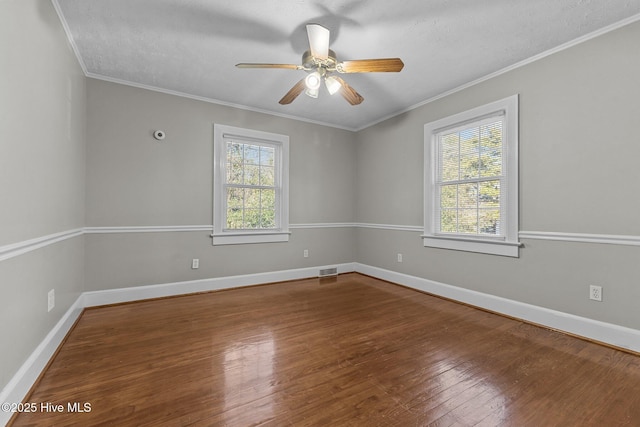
(134, 180)
(42, 127)
(579, 149)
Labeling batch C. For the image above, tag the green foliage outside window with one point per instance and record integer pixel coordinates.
(250, 186)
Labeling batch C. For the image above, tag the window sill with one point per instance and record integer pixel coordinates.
(241, 238)
(485, 246)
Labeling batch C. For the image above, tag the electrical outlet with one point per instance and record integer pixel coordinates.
(595, 293)
(51, 300)
(305, 253)
(399, 257)
(195, 263)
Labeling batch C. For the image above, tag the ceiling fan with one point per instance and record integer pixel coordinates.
(321, 65)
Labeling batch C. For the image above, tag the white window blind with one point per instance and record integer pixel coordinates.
(470, 182)
(252, 195)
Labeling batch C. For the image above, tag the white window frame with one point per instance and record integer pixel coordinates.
(507, 244)
(223, 236)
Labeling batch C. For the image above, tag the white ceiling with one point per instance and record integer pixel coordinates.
(190, 47)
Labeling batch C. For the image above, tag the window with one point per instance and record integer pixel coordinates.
(250, 186)
(471, 180)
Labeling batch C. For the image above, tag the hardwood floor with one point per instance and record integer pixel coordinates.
(351, 351)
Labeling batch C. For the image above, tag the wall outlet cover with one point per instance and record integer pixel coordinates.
(595, 293)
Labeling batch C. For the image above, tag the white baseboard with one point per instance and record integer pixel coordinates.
(22, 381)
(18, 387)
(606, 333)
(115, 296)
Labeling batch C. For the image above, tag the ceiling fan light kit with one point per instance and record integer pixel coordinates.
(320, 63)
(313, 80)
(332, 84)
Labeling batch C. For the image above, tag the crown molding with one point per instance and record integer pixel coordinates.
(70, 38)
(560, 48)
(534, 58)
(213, 101)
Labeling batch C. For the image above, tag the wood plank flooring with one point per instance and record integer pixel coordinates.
(349, 351)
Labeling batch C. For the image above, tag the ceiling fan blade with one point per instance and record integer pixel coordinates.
(318, 41)
(349, 93)
(259, 65)
(389, 65)
(293, 93)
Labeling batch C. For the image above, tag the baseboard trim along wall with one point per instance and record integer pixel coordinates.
(116, 296)
(606, 333)
(18, 387)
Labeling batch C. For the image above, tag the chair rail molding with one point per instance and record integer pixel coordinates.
(611, 239)
(20, 248)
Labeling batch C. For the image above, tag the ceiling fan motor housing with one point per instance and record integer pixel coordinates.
(312, 63)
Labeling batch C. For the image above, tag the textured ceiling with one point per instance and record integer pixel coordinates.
(191, 46)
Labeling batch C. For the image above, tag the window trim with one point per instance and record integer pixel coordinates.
(507, 245)
(222, 236)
